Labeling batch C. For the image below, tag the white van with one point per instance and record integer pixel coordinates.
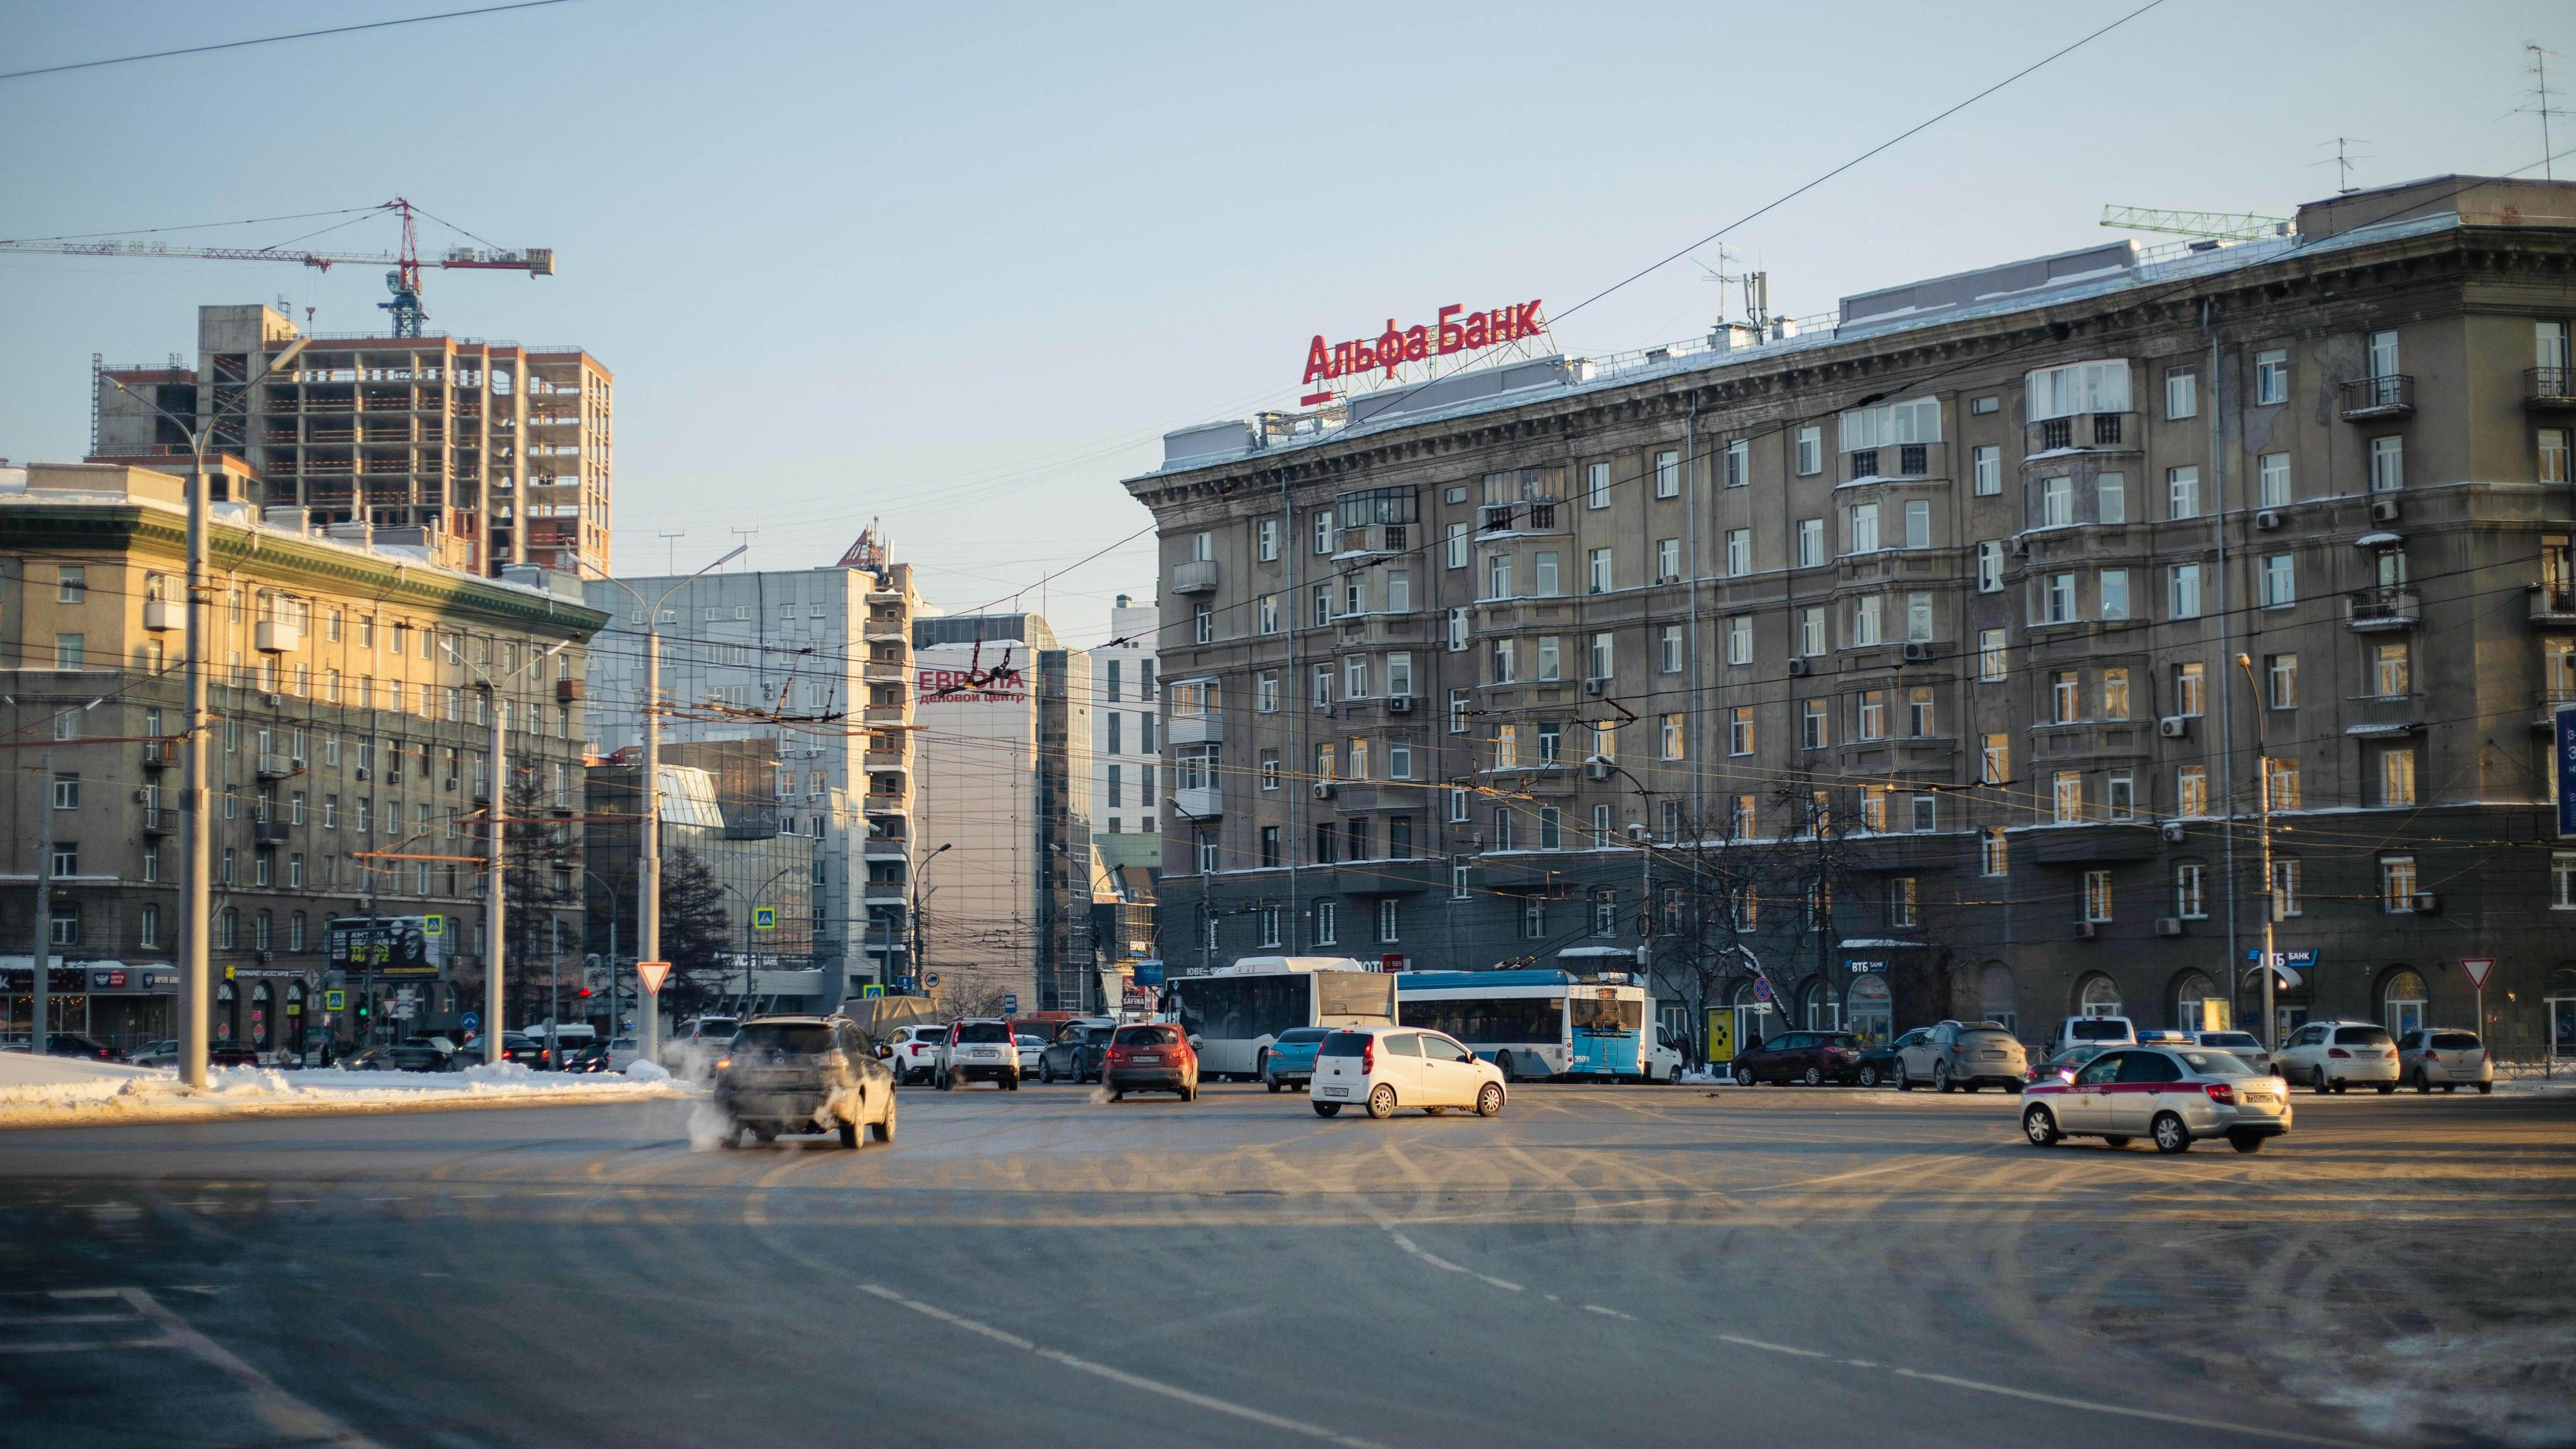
(2105, 1031)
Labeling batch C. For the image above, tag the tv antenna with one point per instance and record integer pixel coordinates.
(2538, 70)
(2342, 161)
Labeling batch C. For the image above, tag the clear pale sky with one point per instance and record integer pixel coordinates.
(961, 267)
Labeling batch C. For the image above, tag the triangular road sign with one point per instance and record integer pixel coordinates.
(2477, 967)
(651, 974)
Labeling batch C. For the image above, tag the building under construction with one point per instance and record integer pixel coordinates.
(485, 453)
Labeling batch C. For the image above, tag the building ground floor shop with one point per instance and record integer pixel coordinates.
(115, 1004)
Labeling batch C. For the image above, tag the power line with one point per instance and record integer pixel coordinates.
(273, 39)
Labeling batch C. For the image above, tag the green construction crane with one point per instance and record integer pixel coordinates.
(2215, 225)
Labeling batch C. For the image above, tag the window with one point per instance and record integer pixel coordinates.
(1386, 920)
(2111, 498)
(2191, 689)
(1739, 730)
(2387, 464)
(1596, 486)
(2065, 693)
(1328, 922)
(2191, 892)
(2562, 881)
(2067, 796)
(1992, 655)
(1265, 693)
(2115, 593)
(1668, 561)
(1355, 594)
(1814, 733)
(2191, 790)
(1323, 606)
(1534, 918)
(2397, 777)
(67, 794)
(1739, 552)
(2056, 502)
(1457, 631)
(2383, 354)
(1811, 452)
(2280, 581)
(2120, 797)
(1548, 669)
(1988, 466)
(1597, 564)
(1498, 576)
(2272, 480)
(1811, 631)
(1739, 639)
(1990, 566)
(1668, 649)
(2552, 446)
(1503, 828)
(2115, 692)
(2285, 889)
(1600, 666)
(1457, 711)
(1669, 736)
(1918, 712)
(1918, 618)
(2391, 669)
(1918, 524)
(71, 584)
(1202, 550)
(2281, 783)
(68, 651)
(1543, 574)
(1399, 761)
(1459, 796)
(2271, 378)
(1872, 716)
(2097, 896)
(1456, 543)
(1811, 543)
(2397, 883)
(2057, 599)
(1993, 854)
(2281, 681)
(2182, 395)
(1202, 624)
(2182, 593)
(1323, 685)
(1355, 677)
(1668, 474)
(2078, 387)
(1916, 420)
(1739, 463)
(2182, 493)
(1551, 829)
(1551, 745)
(1866, 612)
(1265, 540)
(1399, 674)
(1864, 528)
(1324, 531)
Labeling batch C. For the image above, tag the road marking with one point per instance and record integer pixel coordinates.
(279, 1409)
(1608, 1312)
(2095, 1408)
(81, 1293)
(87, 1347)
(1408, 1245)
(1120, 1376)
(1770, 1347)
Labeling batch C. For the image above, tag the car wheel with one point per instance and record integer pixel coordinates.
(2486, 1089)
(2247, 1142)
(2320, 1083)
(1941, 1076)
(1190, 1093)
(1743, 1076)
(2170, 1133)
(1116, 1095)
(2450, 1086)
(1869, 1075)
(1011, 1083)
(1046, 1072)
(1274, 1083)
(1815, 1077)
(1503, 1064)
(1381, 1101)
(1261, 1065)
(2342, 1087)
(1904, 1083)
(2115, 1141)
(732, 1139)
(885, 1128)
(2039, 1125)
(2385, 1088)
(764, 1134)
(2422, 1083)
(1489, 1101)
(850, 1135)
(1327, 1109)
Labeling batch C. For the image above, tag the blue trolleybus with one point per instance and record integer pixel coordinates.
(1536, 1024)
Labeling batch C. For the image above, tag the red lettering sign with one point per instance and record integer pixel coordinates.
(1395, 346)
(953, 686)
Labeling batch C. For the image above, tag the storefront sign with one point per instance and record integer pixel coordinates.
(389, 945)
(1395, 346)
(1863, 968)
(2565, 720)
(969, 686)
(107, 981)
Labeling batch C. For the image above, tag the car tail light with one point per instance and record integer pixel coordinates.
(723, 1062)
(2221, 1093)
(1368, 1056)
(2338, 1052)
(2432, 1056)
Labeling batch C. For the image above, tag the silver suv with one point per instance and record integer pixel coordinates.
(786, 1074)
(979, 1048)
(1968, 1054)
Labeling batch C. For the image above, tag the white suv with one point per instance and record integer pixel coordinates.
(2333, 1055)
(1386, 1067)
(913, 1053)
(979, 1047)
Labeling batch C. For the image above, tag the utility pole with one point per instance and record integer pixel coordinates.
(496, 900)
(43, 955)
(2271, 896)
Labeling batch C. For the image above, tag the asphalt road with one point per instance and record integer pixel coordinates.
(1599, 1265)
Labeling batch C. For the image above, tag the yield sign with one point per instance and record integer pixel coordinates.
(2477, 967)
(651, 973)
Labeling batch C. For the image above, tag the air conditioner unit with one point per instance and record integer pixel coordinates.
(2267, 520)
(2174, 726)
(1595, 768)
(2424, 903)
(1637, 831)
(272, 700)
(2171, 830)
(265, 956)
(1917, 653)
(1798, 666)
(1324, 709)
(1323, 789)
(138, 797)
(2384, 510)
(361, 772)
(1594, 686)
(2169, 925)
(2085, 931)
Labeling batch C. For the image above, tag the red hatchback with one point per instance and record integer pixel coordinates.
(1150, 1059)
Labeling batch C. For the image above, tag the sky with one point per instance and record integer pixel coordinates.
(960, 267)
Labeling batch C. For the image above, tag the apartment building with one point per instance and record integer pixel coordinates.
(1002, 841)
(1884, 666)
(1126, 723)
(353, 684)
(494, 453)
(816, 662)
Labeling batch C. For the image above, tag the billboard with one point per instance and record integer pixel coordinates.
(391, 945)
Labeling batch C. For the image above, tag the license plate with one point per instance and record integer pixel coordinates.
(1149, 1061)
(1991, 1056)
(1337, 1091)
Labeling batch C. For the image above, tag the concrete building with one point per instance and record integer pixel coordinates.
(1126, 798)
(1002, 841)
(816, 663)
(350, 762)
(496, 453)
(1896, 650)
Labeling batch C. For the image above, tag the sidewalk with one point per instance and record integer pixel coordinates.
(56, 1092)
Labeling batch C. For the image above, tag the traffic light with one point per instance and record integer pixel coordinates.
(585, 993)
(362, 1008)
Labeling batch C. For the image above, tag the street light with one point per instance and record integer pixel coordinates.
(613, 899)
(914, 868)
(496, 899)
(2271, 886)
(197, 902)
(751, 909)
(648, 855)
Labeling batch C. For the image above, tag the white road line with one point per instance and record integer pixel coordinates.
(1770, 1347)
(2091, 1407)
(277, 1408)
(88, 1347)
(1120, 1376)
(1608, 1312)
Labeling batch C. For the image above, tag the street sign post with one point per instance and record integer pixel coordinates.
(335, 1000)
(2477, 967)
(764, 918)
(1010, 1003)
(649, 974)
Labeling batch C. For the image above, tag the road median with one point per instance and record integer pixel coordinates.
(50, 1092)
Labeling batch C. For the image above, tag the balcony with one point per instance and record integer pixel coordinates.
(2373, 716)
(2549, 389)
(886, 714)
(1364, 797)
(268, 832)
(887, 760)
(277, 636)
(884, 671)
(2090, 844)
(2386, 607)
(164, 614)
(569, 690)
(883, 847)
(2084, 433)
(1542, 516)
(2545, 702)
(889, 628)
(274, 766)
(1205, 802)
(2553, 605)
(2365, 398)
(882, 892)
(1195, 729)
(157, 821)
(160, 754)
(1196, 576)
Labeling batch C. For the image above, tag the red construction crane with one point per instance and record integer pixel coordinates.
(403, 281)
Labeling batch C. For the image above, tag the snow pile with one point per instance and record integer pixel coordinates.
(2506, 1383)
(511, 1072)
(640, 1070)
(52, 1089)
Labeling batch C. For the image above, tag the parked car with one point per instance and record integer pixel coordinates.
(692, 1050)
(2332, 1055)
(527, 1051)
(1382, 1068)
(64, 1044)
(1878, 1064)
(912, 1053)
(1812, 1057)
(2064, 1065)
(2245, 1046)
(230, 1054)
(1031, 1048)
(1150, 1058)
(792, 1074)
(369, 1059)
(1964, 1054)
(2171, 1096)
(427, 1054)
(159, 1054)
(1074, 1055)
(2096, 1030)
(2444, 1057)
(978, 1049)
(1289, 1060)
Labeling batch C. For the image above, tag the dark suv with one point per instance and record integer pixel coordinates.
(803, 1074)
(1074, 1056)
(1812, 1057)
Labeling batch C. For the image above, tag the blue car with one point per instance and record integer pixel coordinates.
(1289, 1060)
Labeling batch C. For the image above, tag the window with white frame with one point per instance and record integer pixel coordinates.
(1324, 531)
(2056, 502)
(2111, 498)
(2120, 797)
(1811, 631)
(1457, 711)
(1993, 854)
(2182, 394)
(2191, 790)
(1669, 736)
(1265, 540)
(2182, 493)
(2097, 896)
(1668, 650)
(1386, 921)
(1918, 523)
(1598, 571)
(2397, 883)
(1457, 631)
(2562, 880)
(1864, 527)
(1328, 922)
(2067, 796)
(1456, 545)
(1668, 474)
(1993, 655)
(1498, 576)
(2272, 480)
(1739, 552)
(2078, 387)
(1916, 420)
(1739, 730)
(2113, 586)
(1866, 621)
(2271, 377)
(1739, 639)
(1995, 760)
(2191, 891)
(1811, 452)
(1987, 464)
(1739, 463)
(2387, 464)
(1668, 561)
(2182, 593)
(1549, 666)
(1596, 485)
(1601, 657)
(1399, 674)
(2057, 599)
(1502, 657)
(1918, 618)
(2280, 581)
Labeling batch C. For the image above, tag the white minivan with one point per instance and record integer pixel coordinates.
(1382, 1068)
(2101, 1031)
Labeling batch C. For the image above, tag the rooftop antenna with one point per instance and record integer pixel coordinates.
(670, 538)
(746, 535)
(2343, 159)
(2538, 70)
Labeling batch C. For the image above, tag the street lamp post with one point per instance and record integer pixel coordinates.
(611, 887)
(197, 908)
(751, 908)
(496, 897)
(2271, 886)
(914, 868)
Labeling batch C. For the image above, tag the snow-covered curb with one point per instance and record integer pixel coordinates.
(53, 1093)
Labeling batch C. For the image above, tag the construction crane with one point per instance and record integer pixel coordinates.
(2213, 225)
(403, 281)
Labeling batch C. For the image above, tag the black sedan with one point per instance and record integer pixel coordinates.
(64, 1044)
(427, 1054)
(1877, 1066)
(1074, 1056)
(1812, 1057)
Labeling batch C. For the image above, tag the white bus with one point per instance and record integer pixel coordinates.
(1538, 1024)
(1232, 1013)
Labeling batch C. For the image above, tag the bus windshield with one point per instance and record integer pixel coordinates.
(1592, 1014)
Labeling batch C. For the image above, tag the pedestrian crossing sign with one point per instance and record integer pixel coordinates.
(764, 918)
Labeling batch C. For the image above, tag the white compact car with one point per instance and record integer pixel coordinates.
(2333, 1055)
(2435, 1056)
(2245, 1046)
(2172, 1095)
(1382, 1068)
(912, 1054)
